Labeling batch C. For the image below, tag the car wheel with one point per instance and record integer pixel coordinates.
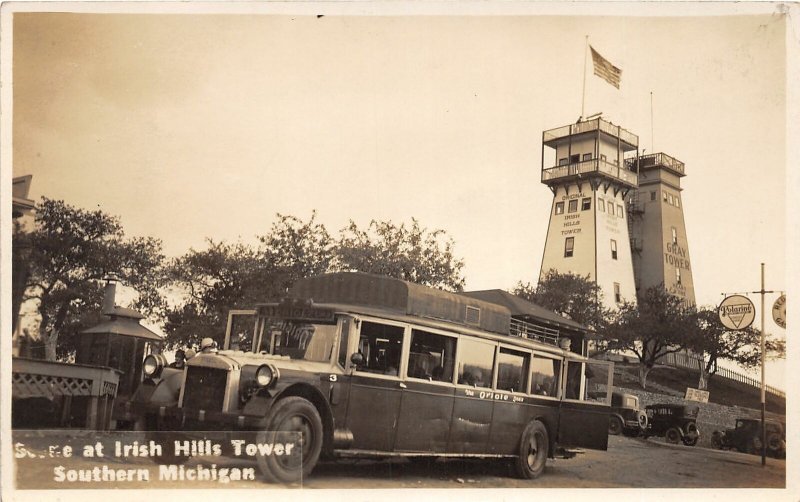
(716, 440)
(755, 445)
(774, 442)
(690, 440)
(293, 415)
(642, 419)
(533, 449)
(614, 426)
(673, 435)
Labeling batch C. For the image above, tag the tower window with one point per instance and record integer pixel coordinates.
(619, 211)
(587, 156)
(678, 275)
(563, 162)
(569, 247)
(574, 159)
(611, 208)
(674, 235)
(603, 157)
(559, 208)
(601, 205)
(664, 195)
(652, 196)
(669, 196)
(613, 249)
(586, 204)
(677, 201)
(617, 295)
(573, 205)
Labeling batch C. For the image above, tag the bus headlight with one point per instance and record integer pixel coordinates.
(266, 374)
(153, 365)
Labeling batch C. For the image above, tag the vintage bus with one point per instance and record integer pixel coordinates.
(364, 365)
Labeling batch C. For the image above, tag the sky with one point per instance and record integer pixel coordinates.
(191, 127)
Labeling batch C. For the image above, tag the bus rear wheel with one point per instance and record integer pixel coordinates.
(533, 450)
(291, 420)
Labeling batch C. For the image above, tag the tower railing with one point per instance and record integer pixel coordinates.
(588, 126)
(657, 160)
(592, 166)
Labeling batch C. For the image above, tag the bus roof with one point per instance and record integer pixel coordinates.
(403, 297)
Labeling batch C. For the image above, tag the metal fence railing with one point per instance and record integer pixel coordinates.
(683, 360)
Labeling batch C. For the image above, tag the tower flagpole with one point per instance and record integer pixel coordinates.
(585, 58)
(652, 133)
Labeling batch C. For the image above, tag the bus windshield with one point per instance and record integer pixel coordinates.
(298, 339)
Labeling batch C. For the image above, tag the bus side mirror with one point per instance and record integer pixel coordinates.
(357, 359)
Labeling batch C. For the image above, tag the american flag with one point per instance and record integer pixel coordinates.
(605, 70)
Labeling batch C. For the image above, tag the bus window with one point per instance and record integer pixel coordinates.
(343, 339)
(597, 381)
(512, 370)
(544, 376)
(574, 377)
(432, 357)
(475, 363)
(380, 345)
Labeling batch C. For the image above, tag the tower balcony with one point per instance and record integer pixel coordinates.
(658, 161)
(554, 137)
(593, 168)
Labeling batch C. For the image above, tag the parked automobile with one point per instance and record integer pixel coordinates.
(746, 437)
(674, 422)
(626, 417)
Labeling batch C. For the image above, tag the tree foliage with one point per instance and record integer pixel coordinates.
(230, 276)
(411, 253)
(659, 324)
(712, 342)
(574, 296)
(69, 252)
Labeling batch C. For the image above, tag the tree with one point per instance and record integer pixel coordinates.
(714, 342)
(294, 249)
(574, 296)
(212, 282)
(410, 253)
(70, 251)
(226, 276)
(659, 324)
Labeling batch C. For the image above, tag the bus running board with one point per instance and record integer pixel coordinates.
(568, 452)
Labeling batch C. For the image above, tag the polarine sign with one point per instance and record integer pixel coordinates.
(737, 312)
(779, 311)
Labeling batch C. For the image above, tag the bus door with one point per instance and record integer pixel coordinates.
(473, 403)
(585, 404)
(375, 387)
(427, 403)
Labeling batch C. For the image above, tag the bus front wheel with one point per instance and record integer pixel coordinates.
(533, 450)
(291, 420)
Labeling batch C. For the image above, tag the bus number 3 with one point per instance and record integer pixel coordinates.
(333, 378)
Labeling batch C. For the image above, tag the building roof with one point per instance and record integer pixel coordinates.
(520, 307)
(125, 326)
(19, 195)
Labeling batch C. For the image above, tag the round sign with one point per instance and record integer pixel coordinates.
(737, 312)
(779, 311)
